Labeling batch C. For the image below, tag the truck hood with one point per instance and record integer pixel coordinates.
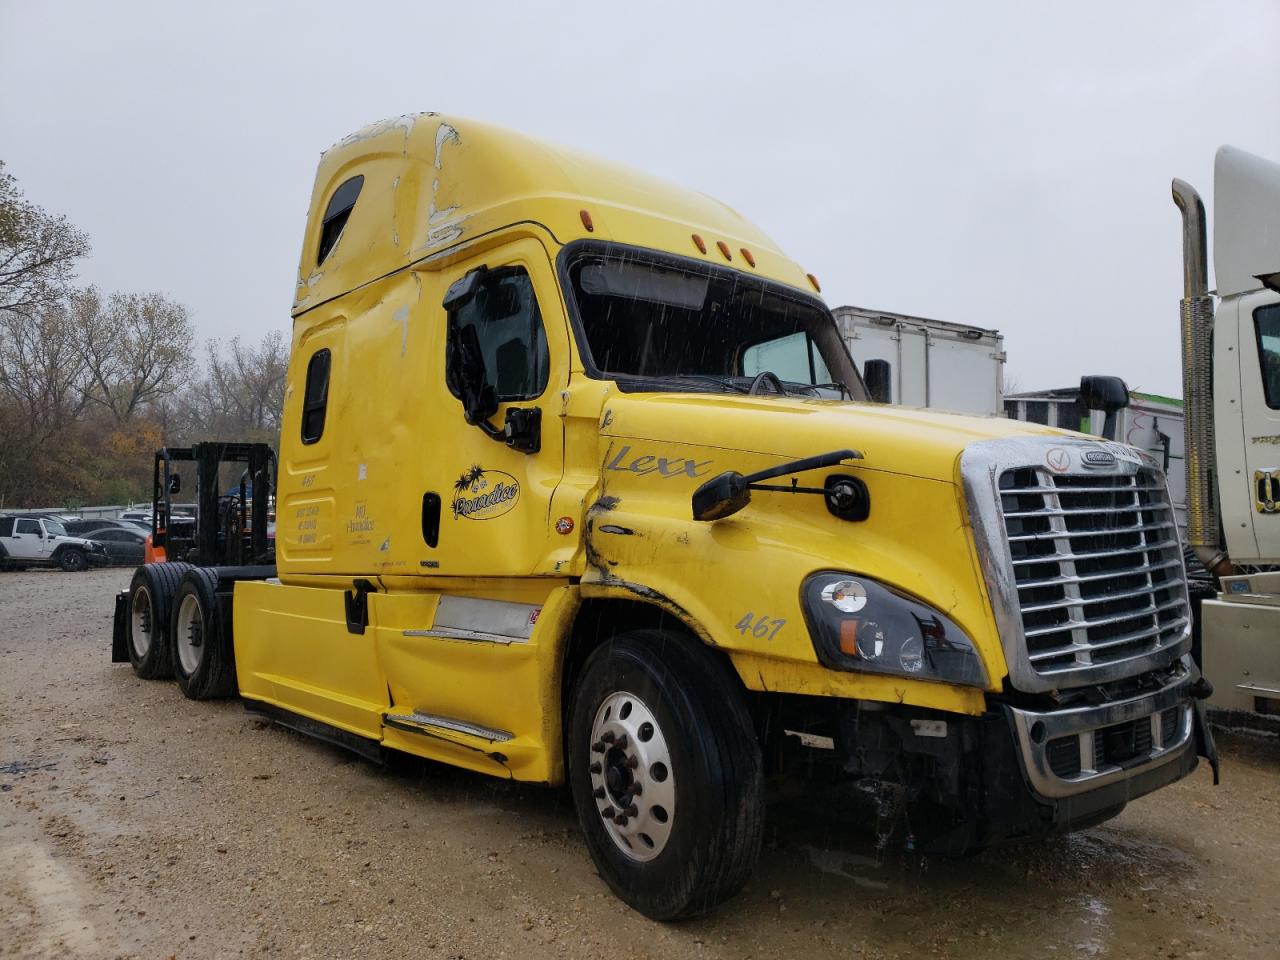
(904, 440)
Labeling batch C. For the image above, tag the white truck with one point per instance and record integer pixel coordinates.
(920, 362)
(44, 542)
(1231, 389)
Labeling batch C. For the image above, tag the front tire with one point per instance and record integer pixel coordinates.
(666, 774)
(202, 655)
(72, 560)
(150, 596)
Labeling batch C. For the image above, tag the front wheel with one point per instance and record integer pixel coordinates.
(72, 560)
(666, 774)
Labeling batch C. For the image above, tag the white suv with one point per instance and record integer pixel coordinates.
(43, 542)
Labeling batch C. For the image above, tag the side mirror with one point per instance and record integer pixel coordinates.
(878, 376)
(468, 377)
(175, 483)
(1108, 394)
(462, 291)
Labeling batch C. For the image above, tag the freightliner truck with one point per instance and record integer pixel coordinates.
(1231, 386)
(579, 484)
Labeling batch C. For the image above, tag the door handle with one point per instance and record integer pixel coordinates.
(1267, 490)
(431, 519)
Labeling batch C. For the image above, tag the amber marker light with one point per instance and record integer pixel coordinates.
(746, 255)
(586, 221)
(849, 637)
(699, 243)
(814, 281)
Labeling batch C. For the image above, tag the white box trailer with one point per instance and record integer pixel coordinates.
(1151, 422)
(947, 366)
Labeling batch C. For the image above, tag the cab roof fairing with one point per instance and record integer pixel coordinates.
(432, 182)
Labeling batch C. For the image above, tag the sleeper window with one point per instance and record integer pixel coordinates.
(336, 215)
(316, 396)
(508, 325)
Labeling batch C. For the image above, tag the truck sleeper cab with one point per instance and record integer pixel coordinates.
(578, 482)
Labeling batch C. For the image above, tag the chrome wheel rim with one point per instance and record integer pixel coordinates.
(142, 622)
(632, 781)
(190, 634)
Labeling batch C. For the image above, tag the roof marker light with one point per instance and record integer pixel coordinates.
(814, 281)
(586, 221)
(699, 243)
(724, 248)
(746, 255)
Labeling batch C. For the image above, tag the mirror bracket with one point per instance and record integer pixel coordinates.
(727, 493)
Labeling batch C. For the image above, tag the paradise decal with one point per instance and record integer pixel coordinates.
(482, 494)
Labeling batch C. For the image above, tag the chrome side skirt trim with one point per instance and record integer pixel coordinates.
(458, 634)
(488, 621)
(428, 723)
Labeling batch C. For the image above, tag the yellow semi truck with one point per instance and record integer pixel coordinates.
(579, 484)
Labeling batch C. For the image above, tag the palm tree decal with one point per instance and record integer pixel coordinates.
(469, 479)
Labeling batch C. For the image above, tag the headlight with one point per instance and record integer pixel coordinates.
(860, 625)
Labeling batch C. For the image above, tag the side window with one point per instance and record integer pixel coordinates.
(1267, 322)
(793, 358)
(27, 526)
(508, 325)
(6, 526)
(336, 215)
(315, 398)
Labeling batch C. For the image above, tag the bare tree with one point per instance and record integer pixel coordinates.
(43, 373)
(137, 348)
(242, 391)
(38, 251)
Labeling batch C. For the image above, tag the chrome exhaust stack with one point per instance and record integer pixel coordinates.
(1197, 383)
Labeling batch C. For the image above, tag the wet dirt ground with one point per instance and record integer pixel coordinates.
(135, 823)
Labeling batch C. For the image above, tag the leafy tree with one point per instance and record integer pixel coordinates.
(38, 251)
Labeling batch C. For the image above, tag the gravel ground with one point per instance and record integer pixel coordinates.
(135, 823)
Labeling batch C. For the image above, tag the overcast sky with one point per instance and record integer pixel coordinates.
(1000, 165)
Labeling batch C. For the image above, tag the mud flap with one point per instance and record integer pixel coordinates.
(1205, 747)
(120, 629)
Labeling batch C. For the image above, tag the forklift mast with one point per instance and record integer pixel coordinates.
(230, 528)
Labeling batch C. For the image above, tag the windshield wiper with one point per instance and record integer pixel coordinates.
(678, 379)
(844, 391)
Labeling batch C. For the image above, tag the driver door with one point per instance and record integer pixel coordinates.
(494, 499)
(28, 540)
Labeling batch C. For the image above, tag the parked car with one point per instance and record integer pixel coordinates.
(123, 545)
(41, 542)
(82, 528)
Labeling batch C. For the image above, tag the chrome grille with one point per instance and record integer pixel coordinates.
(1097, 567)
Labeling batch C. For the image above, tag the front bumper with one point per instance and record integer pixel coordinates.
(1016, 771)
(1065, 753)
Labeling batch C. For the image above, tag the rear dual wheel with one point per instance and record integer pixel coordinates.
(200, 634)
(150, 599)
(666, 774)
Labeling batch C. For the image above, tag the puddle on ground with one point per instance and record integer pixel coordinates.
(839, 863)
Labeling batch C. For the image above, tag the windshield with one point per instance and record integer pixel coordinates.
(54, 528)
(653, 322)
